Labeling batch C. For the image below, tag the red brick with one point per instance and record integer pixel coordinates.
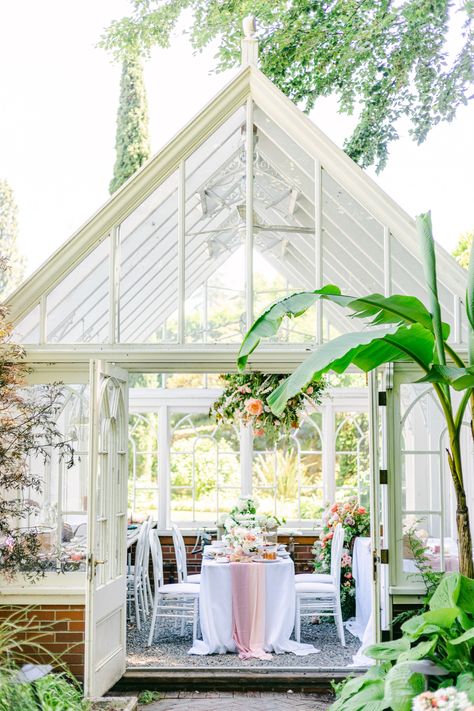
(76, 626)
(70, 614)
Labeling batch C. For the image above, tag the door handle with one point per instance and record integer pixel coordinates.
(100, 562)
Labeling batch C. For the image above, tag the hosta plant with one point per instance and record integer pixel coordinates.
(400, 328)
(434, 651)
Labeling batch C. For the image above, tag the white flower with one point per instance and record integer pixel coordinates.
(448, 699)
(272, 522)
(229, 523)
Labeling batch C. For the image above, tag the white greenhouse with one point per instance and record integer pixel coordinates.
(147, 303)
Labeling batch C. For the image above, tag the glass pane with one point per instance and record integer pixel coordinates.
(421, 482)
(78, 308)
(215, 234)
(422, 536)
(60, 515)
(143, 465)
(28, 329)
(352, 455)
(353, 256)
(149, 268)
(284, 244)
(205, 467)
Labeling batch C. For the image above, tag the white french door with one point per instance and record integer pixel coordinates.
(379, 525)
(107, 529)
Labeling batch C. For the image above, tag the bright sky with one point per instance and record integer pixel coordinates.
(58, 99)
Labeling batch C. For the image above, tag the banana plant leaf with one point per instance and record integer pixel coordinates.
(425, 234)
(365, 349)
(397, 309)
(458, 378)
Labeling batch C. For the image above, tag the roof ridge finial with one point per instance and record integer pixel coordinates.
(249, 42)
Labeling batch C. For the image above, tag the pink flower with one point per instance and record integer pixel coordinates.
(347, 507)
(361, 510)
(310, 390)
(254, 406)
(334, 508)
(9, 542)
(348, 575)
(259, 433)
(330, 535)
(249, 536)
(244, 389)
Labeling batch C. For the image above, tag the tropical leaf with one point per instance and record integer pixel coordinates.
(419, 651)
(458, 378)
(427, 245)
(402, 685)
(468, 636)
(447, 593)
(380, 309)
(365, 349)
(387, 651)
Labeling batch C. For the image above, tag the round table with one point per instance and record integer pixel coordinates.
(215, 609)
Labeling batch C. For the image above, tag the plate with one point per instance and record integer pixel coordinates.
(221, 560)
(265, 560)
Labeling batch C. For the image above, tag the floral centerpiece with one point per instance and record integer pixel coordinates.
(356, 522)
(244, 515)
(244, 400)
(244, 542)
(449, 699)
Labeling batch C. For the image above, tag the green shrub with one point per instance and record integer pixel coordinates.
(434, 651)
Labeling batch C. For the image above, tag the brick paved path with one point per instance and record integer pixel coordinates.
(256, 701)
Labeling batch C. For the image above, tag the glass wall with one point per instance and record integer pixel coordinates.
(185, 469)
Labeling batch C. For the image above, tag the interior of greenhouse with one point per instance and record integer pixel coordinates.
(142, 309)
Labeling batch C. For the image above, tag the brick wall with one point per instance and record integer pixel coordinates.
(64, 629)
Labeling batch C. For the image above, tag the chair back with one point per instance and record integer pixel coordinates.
(140, 551)
(146, 553)
(157, 558)
(336, 554)
(180, 554)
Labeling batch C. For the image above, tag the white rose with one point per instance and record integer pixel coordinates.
(272, 522)
(229, 523)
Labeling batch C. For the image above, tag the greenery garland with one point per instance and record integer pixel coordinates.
(244, 399)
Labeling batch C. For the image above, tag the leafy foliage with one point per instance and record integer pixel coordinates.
(54, 691)
(400, 328)
(243, 400)
(132, 144)
(384, 60)
(9, 277)
(27, 429)
(435, 649)
(463, 249)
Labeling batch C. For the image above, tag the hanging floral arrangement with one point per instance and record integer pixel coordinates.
(244, 399)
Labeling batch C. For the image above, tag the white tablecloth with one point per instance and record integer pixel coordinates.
(362, 626)
(215, 609)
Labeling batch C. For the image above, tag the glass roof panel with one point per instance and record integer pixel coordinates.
(28, 329)
(148, 268)
(215, 229)
(78, 308)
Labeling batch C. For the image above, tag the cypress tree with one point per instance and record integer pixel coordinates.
(132, 143)
(14, 270)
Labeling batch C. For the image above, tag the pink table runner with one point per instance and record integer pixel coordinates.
(248, 609)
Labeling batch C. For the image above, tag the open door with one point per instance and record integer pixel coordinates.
(107, 529)
(379, 528)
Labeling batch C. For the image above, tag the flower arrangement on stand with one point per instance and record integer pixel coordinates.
(356, 521)
(244, 400)
(244, 542)
(244, 515)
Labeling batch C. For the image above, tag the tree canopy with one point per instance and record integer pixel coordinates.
(132, 143)
(384, 60)
(463, 249)
(13, 266)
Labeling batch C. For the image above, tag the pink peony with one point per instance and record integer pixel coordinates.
(254, 406)
(249, 536)
(361, 510)
(310, 390)
(259, 433)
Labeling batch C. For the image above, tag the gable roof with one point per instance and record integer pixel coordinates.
(288, 124)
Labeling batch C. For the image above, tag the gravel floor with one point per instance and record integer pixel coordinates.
(171, 650)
